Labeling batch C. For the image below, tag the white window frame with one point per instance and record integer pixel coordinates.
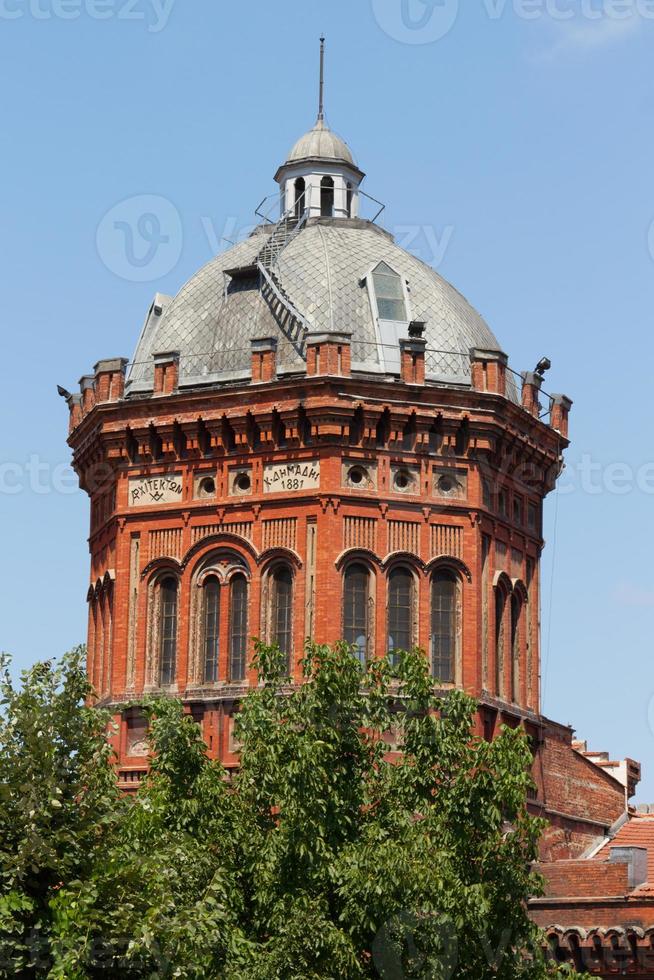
(388, 330)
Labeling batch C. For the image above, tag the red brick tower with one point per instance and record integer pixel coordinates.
(318, 436)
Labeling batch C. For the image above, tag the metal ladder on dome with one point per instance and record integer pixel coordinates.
(284, 231)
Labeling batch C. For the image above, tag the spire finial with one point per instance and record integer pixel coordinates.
(321, 107)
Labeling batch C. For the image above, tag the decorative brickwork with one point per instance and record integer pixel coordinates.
(446, 539)
(404, 536)
(360, 532)
(315, 495)
(280, 533)
(165, 543)
(242, 528)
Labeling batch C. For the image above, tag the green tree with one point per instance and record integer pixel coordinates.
(59, 802)
(320, 858)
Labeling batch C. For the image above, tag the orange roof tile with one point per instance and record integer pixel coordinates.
(637, 832)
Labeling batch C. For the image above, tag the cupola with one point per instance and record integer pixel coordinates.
(320, 176)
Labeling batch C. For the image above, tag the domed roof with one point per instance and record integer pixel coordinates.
(321, 143)
(325, 273)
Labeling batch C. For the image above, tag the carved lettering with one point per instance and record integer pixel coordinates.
(165, 489)
(291, 477)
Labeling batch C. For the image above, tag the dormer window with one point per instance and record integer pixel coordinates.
(390, 308)
(389, 294)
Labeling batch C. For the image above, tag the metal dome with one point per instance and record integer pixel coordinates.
(320, 143)
(322, 271)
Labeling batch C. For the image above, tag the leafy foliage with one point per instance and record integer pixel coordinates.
(322, 857)
(58, 802)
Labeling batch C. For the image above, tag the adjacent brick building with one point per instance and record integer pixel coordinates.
(319, 437)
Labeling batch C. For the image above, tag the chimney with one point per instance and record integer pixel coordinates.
(531, 385)
(166, 372)
(110, 379)
(75, 408)
(636, 859)
(264, 359)
(488, 370)
(412, 360)
(329, 354)
(561, 406)
(87, 389)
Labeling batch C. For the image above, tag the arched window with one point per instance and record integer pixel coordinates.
(516, 611)
(443, 626)
(90, 661)
(282, 609)
(348, 198)
(300, 201)
(168, 630)
(500, 606)
(238, 619)
(327, 197)
(211, 623)
(104, 616)
(108, 611)
(99, 643)
(356, 600)
(400, 612)
(218, 617)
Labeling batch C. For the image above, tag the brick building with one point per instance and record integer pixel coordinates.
(318, 436)
(598, 910)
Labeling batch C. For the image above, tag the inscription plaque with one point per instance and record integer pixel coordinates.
(166, 489)
(291, 477)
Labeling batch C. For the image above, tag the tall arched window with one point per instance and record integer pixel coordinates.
(168, 630)
(516, 611)
(327, 197)
(238, 619)
(348, 198)
(300, 200)
(356, 598)
(211, 623)
(400, 612)
(443, 626)
(103, 644)
(97, 641)
(500, 606)
(108, 606)
(90, 663)
(219, 597)
(282, 609)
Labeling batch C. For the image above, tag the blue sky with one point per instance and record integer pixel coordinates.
(512, 142)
